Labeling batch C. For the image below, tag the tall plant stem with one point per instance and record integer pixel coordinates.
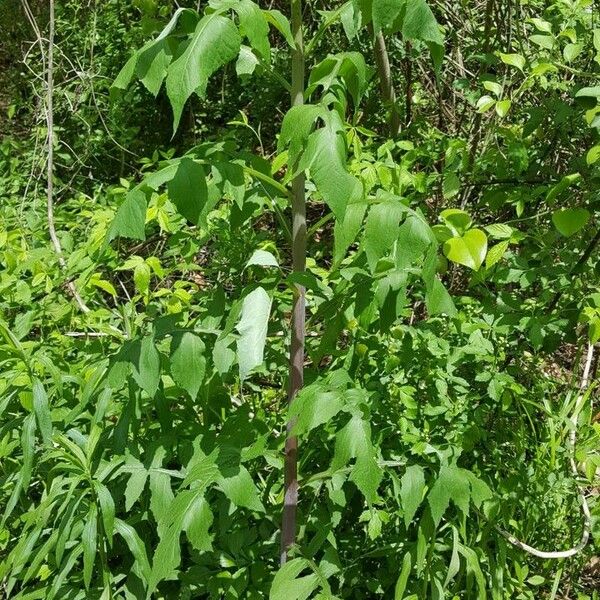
(296, 376)
(386, 85)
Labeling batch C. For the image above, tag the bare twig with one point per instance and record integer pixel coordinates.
(48, 62)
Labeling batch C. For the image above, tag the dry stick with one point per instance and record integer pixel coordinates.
(585, 509)
(298, 325)
(50, 127)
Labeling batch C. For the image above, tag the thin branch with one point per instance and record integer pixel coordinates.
(48, 61)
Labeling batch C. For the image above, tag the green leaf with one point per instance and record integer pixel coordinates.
(569, 221)
(469, 249)
(188, 362)
(346, 229)
(593, 155)
(382, 228)
(278, 20)
(495, 253)
(262, 258)
(252, 328)
(107, 510)
(325, 158)
(41, 408)
(420, 24)
(241, 490)
(458, 220)
(297, 124)
(255, 26)
(314, 406)
(197, 523)
(411, 492)
(349, 67)
(89, 543)
(136, 547)
(130, 218)
(246, 62)
(287, 585)
(451, 185)
(403, 577)
(588, 92)
(451, 484)
(146, 365)
(188, 189)
(502, 107)
(354, 441)
(485, 103)
(566, 182)
(514, 60)
(215, 42)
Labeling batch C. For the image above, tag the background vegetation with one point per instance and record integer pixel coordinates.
(452, 288)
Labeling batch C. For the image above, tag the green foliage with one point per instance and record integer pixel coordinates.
(451, 285)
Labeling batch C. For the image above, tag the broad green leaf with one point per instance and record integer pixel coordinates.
(588, 92)
(451, 184)
(420, 24)
(188, 189)
(458, 220)
(41, 408)
(188, 362)
(469, 249)
(411, 492)
(325, 159)
(346, 230)
(130, 218)
(314, 406)
(572, 51)
(514, 60)
(349, 67)
(252, 328)
(296, 126)
(278, 20)
(89, 543)
(354, 441)
(502, 107)
(492, 86)
(382, 227)
(262, 258)
(569, 221)
(485, 103)
(197, 522)
(287, 585)
(215, 42)
(246, 62)
(451, 484)
(500, 230)
(255, 26)
(437, 298)
(495, 253)
(241, 490)
(593, 155)
(146, 365)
